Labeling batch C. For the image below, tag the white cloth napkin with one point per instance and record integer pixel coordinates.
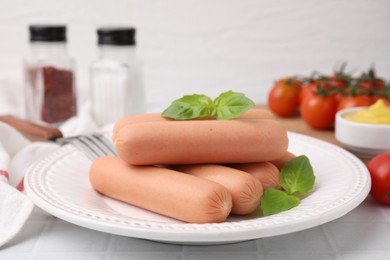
(15, 207)
(16, 155)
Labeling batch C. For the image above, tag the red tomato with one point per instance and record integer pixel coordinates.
(283, 99)
(354, 101)
(340, 79)
(337, 86)
(370, 85)
(319, 111)
(379, 168)
(375, 98)
(387, 102)
(334, 82)
(309, 88)
(331, 86)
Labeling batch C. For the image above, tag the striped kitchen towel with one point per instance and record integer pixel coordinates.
(16, 155)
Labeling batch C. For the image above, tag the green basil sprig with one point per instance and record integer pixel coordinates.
(274, 201)
(227, 105)
(297, 179)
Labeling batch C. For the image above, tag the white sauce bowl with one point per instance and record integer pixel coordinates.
(364, 140)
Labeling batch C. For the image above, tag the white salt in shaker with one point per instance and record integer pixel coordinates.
(116, 81)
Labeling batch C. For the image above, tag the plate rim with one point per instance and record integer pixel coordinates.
(181, 233)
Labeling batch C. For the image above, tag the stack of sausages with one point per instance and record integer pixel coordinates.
(197, 171)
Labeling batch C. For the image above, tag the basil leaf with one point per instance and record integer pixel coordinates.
(297, 177)
(189, 107)
(231, 104)
(274, 201)
(228, 105)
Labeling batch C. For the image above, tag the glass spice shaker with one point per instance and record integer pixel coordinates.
(116, 81)
(49, 76)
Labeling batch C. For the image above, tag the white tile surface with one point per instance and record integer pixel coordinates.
(221, 256)
(25, 241)
(128, 244)
(366, 255)
(67, 256)
(361, 234)
(78, 239)
(370, 211)
(300, 256)
(298, 241)
(236, 247)
(5, 256)
(144, 256)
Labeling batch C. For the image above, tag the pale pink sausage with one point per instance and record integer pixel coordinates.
(245, 189)
(257, 113)
(131, 119)
(265, 172)
(208, 141)
(254, 113)
(164, 191)
(280, 162)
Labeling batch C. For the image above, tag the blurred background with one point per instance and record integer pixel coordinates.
(203, 46)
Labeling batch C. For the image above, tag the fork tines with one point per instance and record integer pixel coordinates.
(93, 146)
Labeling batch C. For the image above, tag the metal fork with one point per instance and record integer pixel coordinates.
(93, 146)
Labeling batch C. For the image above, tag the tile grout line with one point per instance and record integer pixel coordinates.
(260, 249)
(47, 226)
(109, 246)
(333, 246)
(385, 216)
(184, 252)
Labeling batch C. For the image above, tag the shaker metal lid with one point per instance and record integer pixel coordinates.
(116, 36)
(47, 33)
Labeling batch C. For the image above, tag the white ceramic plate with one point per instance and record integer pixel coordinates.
(59, 184)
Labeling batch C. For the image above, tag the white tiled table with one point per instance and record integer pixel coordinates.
(364, 233)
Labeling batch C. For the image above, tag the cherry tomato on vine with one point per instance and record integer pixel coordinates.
(308, 89)
(340, 79)
(354, 101)
(375, 98)
(367, 85)
(370, 83)
(386, 101)
(319, 111)
(379, 168)
(283, 99)
(335, 82)
(331, 85)
(337, 87)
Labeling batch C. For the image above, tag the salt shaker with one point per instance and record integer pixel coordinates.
(116, 78)
(50, 92)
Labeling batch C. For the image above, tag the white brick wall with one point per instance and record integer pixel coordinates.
(209, 46)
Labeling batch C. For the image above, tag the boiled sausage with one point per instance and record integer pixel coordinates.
(201, 141)
(245, 189)
(164, 191)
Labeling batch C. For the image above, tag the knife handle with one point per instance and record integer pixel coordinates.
(31, 130)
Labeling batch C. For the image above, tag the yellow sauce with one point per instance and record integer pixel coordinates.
(378, 113)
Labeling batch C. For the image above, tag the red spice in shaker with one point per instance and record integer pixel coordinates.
(50, 81)
(59, 101)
